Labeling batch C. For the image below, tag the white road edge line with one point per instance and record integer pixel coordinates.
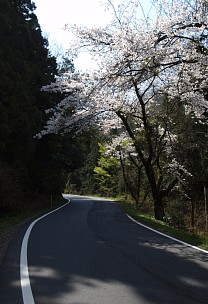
(168, 236)
(27, 294)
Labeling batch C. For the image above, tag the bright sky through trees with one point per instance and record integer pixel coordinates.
(53, 15)
(151, 76)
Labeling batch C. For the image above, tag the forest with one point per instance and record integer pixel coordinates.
(30, 170)
(136, 128)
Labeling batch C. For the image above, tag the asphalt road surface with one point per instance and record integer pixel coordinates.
(90, 252)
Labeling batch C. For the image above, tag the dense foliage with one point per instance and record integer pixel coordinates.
(149, 94)
(29, 169)
(136, 126)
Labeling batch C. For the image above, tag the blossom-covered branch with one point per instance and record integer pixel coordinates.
(143, 68)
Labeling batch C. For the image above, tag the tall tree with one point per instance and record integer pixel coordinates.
(144, 69)
(26, 65)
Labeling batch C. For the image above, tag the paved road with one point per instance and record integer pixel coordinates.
(90, 252)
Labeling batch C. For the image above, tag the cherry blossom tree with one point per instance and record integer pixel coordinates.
(144, 67)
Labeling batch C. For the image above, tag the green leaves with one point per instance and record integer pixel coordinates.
(106, 172)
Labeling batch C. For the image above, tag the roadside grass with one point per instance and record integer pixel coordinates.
(150, 221)
(9, 221)
(193, 239)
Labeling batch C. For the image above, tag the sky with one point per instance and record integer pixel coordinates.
(54, 14)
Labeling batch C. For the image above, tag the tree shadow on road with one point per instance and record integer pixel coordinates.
(90, 253)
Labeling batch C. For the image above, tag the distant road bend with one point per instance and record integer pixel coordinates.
(90, 252)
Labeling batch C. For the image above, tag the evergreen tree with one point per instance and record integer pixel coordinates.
(26, 164)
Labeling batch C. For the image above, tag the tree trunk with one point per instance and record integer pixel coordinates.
(156, 195)
(159, 209)
(134, 192)
(192, 215)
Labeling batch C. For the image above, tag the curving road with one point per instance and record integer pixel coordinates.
(90, 252)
